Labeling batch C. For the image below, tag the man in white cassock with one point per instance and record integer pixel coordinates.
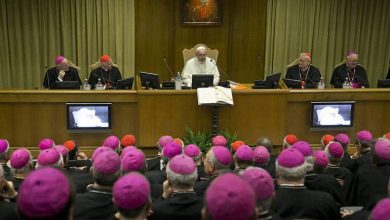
(200, 64)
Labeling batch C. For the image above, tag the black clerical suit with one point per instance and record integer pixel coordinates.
(326, 183)
(94, 204)
(183, 205)
(8, 210)
(292, 202)
(108, 78)
(51, 76)
(357, 75)
(311, 76)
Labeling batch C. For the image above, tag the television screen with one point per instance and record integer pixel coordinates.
(88, 116)
(332, 114)
(202, 80)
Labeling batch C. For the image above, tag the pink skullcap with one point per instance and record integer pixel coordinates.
(171, 149)
(342, 138)
(382, 149)
(192, 150)
(20, 158)
(320, 158)
(182, 164)
(261, 182)
(326, 139)
(62, 150)
(105, 58)
(335, 149)
(3, 145)
(381, 210)
(245, 153)
(46, 143)
(290, 139)
(350, 52)
(237, 144)
(222, 154)
(304, 148)
(128, 140)
(229, 197)
(107, 163)
(48, 157)
(219, 140)
(59, 59)
(290, 158)
(261, 155)
(44, 193)
(100, 150)
(131, 191)
(126, 149)
(112, 142)
(165, 140)
(133, 160)
(364, 135)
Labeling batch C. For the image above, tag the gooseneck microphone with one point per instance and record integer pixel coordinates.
(168, 67)
(219, 69)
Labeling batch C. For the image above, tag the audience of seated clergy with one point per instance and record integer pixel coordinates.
(325, 140)
(335, 153)
(4, 151)
(293, 200)
(157, 163)
(344, 140)
(243, 158)
(195, 153)
(179, 199)
(289, 140)
(21, 163)
(363, 143)
(267, 143)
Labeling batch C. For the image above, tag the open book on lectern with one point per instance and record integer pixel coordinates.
(215, 95)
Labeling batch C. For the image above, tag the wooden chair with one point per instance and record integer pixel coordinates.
(190, 53)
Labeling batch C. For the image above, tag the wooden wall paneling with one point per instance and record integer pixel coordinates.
(153, 37)
(247, 26)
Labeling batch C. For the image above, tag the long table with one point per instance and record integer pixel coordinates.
(30, 115)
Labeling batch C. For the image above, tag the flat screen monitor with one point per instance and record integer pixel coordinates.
(66, 85)
(202, 80)
(383, 83)
(88, 116)
(149, 80)
(293, 83)
(272, 81)
(125, 83)
(332, 114)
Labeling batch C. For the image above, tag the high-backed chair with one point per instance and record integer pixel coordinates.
(190, 53)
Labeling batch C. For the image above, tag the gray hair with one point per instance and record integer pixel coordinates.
(332, 160)
(291, 174)
(309, 160)
(266, 142)
(181, 181)
(25, 169)
(218, 166)
(105, 179)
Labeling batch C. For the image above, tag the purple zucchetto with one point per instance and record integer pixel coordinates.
(290, 158)
(335, 149)
(59, 59)
(182, 164)
(44, 193)
(165, 140)
(382, 149)
(48, 157)
(244, 153)
(381, 210)
(62, 150)
(131, 191)
(320, 158)
(303, 147)
(261, 155)
(126, 149)
(19, 158)
(222, 154)
(107, 163)
(100, 150)
(261, 182)
(112, 142)
(4, 145)
(229, 197)
(342, 138)
(171, 149)
(192, 150)
(364, 135)
(133, 160)
(219, 140)
(46, 143)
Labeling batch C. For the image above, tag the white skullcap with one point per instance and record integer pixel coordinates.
(200, 48)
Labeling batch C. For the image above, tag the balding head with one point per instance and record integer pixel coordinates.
(352, 60)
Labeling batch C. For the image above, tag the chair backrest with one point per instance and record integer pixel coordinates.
(190, 53)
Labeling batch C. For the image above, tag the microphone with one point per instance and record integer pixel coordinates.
(219, 69)
(168, 68)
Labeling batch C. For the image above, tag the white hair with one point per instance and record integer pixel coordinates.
(295, 173)
(182, 181)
